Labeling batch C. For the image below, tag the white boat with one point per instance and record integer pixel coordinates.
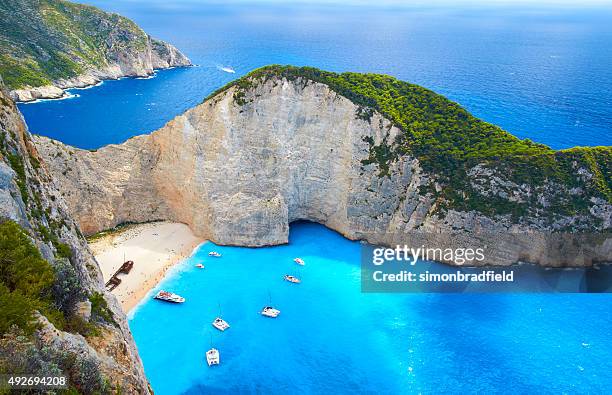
(220, 324)
(227, 69)
(200, 266)
(299, 261)
(169, 297)
(214, 253)
(271, 312)
(212, 357)
(292, 279)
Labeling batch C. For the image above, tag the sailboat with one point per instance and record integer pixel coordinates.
(212, 355)
(270, 311)
(219, 322)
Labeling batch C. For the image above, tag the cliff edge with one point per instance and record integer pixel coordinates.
(55, 316)
(369, 156)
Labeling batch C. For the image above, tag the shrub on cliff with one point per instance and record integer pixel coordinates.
(100, 310)
(67, 289)
(25, 280)
(20, 355)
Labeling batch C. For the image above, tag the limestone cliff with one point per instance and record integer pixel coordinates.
(47, 46)
(93, 345)
(267, 151)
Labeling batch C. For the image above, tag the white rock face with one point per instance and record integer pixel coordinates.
(239, 174)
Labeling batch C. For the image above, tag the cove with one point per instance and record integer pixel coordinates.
(330, 335)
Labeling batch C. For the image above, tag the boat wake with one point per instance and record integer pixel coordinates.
(227, 69)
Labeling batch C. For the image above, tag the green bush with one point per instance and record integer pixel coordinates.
(67, 290)
(100, 310)
(26, 281)
(16, 163)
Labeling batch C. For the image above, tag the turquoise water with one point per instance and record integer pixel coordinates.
(331, 338)
(541, 72)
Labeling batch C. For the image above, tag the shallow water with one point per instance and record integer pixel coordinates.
(330, 336)
(539, 72)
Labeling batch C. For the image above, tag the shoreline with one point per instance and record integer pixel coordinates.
(59, 89)
(155, 247)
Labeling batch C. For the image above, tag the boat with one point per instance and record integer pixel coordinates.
(292, 279)
(112, 283)
(126, 267)
(299, 261)
(200, 266)
(212, 357)
(270, 311)
(169, 297)
(220, 324)
(214, 253)
(227, 69)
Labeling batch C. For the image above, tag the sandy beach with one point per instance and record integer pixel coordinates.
(154, 248)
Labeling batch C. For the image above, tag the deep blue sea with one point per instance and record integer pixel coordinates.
(331, 338)
(538, 72)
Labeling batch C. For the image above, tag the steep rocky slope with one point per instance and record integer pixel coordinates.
(281, 145)
(79, 329)
(50, 45)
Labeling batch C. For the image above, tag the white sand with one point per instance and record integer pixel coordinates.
(154, 248)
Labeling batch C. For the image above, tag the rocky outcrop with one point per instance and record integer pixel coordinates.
(83, 44)
(30, 197)
(156, 55)
(241, 166)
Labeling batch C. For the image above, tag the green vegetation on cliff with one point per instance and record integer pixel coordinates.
(449, 141)
(26, 280)
(46, 40)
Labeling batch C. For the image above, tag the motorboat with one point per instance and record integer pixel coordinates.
(292, 279)
(269, 311)
(212, 357)
(215, 254)
(220, 324)
(169, 297)
(200, 266)
(299, 261)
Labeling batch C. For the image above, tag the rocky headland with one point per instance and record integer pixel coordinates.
(47, 46)
(369, 156)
